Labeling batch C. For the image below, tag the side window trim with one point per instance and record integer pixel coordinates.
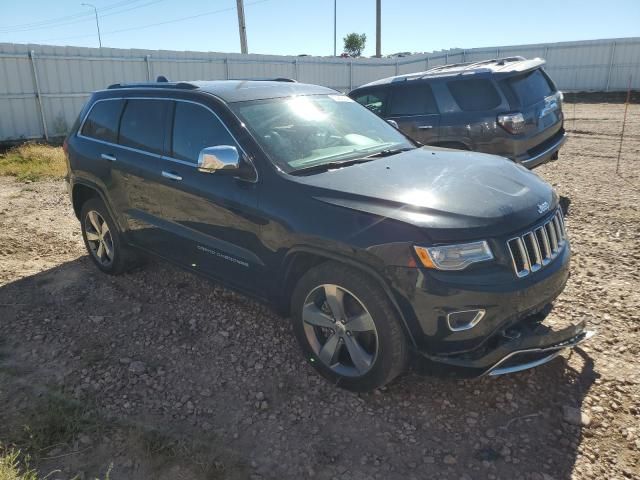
(164, 157)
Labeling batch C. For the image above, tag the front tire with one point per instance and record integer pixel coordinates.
(103, 240)
(347, 328)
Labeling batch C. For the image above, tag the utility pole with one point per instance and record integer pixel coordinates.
(335, 17)
(95, 10)
(242, 27)
(378, 27)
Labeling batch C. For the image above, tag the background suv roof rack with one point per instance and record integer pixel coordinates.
(179, 85)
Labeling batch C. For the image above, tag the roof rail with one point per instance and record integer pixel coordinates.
(470, 65)
(278, 79)
(178, 85)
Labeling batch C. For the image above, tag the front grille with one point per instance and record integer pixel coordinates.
(535, 249)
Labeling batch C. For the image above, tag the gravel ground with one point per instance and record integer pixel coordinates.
(191, 380)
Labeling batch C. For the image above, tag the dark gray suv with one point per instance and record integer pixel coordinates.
(508, 107)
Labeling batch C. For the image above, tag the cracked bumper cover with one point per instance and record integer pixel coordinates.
(535, 346)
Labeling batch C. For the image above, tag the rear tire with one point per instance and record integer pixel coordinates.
(347, 328)
(103, 240)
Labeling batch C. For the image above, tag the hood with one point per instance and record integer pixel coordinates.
(456, 194)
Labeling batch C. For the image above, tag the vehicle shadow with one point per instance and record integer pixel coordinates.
(187, 357)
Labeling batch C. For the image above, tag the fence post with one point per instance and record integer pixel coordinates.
(464, 56)
(613, 54)
(446, 58)
(147, 59)
(350, 75)
(226, 68)
(397, 67)
(32, 55)
(295, 69)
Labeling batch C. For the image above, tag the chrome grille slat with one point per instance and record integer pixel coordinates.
(531, 244)
(552, 237)
(535, 249)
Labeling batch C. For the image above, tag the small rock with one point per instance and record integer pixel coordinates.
(449, 460)
(575, 417)
(137, 367)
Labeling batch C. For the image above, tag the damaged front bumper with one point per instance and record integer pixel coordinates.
(521, 348)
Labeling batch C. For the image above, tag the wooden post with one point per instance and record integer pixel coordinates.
(34, 69)
(624, 122)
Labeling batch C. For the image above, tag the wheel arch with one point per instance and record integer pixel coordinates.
(300, 259)
(80, 194)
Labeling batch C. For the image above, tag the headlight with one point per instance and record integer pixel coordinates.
(454, 257)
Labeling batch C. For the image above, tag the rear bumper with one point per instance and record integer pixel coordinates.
(547, 154)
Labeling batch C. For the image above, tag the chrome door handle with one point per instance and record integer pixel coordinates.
(108, 156)
(171, 176)
(425, 127)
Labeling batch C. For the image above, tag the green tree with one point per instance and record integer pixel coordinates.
(354, 43)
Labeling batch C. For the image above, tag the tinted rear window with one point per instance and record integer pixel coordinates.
(143, 125)
(102, 122)
(412, 100)
(531, 87)
(195, 128)
(474, 94)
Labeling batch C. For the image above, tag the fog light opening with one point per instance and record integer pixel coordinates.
(464, 319)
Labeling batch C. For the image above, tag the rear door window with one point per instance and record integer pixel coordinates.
(195, 128)
(143, 125)
(531, 87)
(412, 100)
(102, 122)
(474, 94)
(374, 101)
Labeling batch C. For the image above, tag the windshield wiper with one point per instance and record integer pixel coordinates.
(323, 167)
(388, 152)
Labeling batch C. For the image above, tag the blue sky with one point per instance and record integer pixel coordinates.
(306, 26)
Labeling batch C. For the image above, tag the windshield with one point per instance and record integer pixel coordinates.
(308, 131)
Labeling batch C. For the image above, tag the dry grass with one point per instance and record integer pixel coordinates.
(33, 161)
(13, 466)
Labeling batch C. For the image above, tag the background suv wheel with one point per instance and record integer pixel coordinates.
(347, 328)
(103, 240)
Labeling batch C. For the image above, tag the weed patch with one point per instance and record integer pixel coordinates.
(33, 161)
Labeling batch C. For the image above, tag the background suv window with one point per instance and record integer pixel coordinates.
(531, 87)
(374, 101)
(143, 125)
(412, 100)
(194, 128)
(474, 94)
(102, 122)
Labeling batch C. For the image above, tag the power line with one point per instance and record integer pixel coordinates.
(175, 20)
(77, 18)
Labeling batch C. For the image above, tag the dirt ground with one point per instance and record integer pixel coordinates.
(165, 375)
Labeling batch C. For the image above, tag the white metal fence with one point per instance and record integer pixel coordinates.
(42, 88)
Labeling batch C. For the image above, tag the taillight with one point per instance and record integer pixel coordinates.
(512, 122)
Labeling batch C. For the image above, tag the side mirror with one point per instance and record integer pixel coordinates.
(223, 159)
(393, 123)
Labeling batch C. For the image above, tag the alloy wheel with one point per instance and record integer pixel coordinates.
(99, 238)
(340, 330)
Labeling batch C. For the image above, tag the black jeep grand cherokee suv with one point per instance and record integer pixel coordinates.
(381, 251)
(508, 107)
